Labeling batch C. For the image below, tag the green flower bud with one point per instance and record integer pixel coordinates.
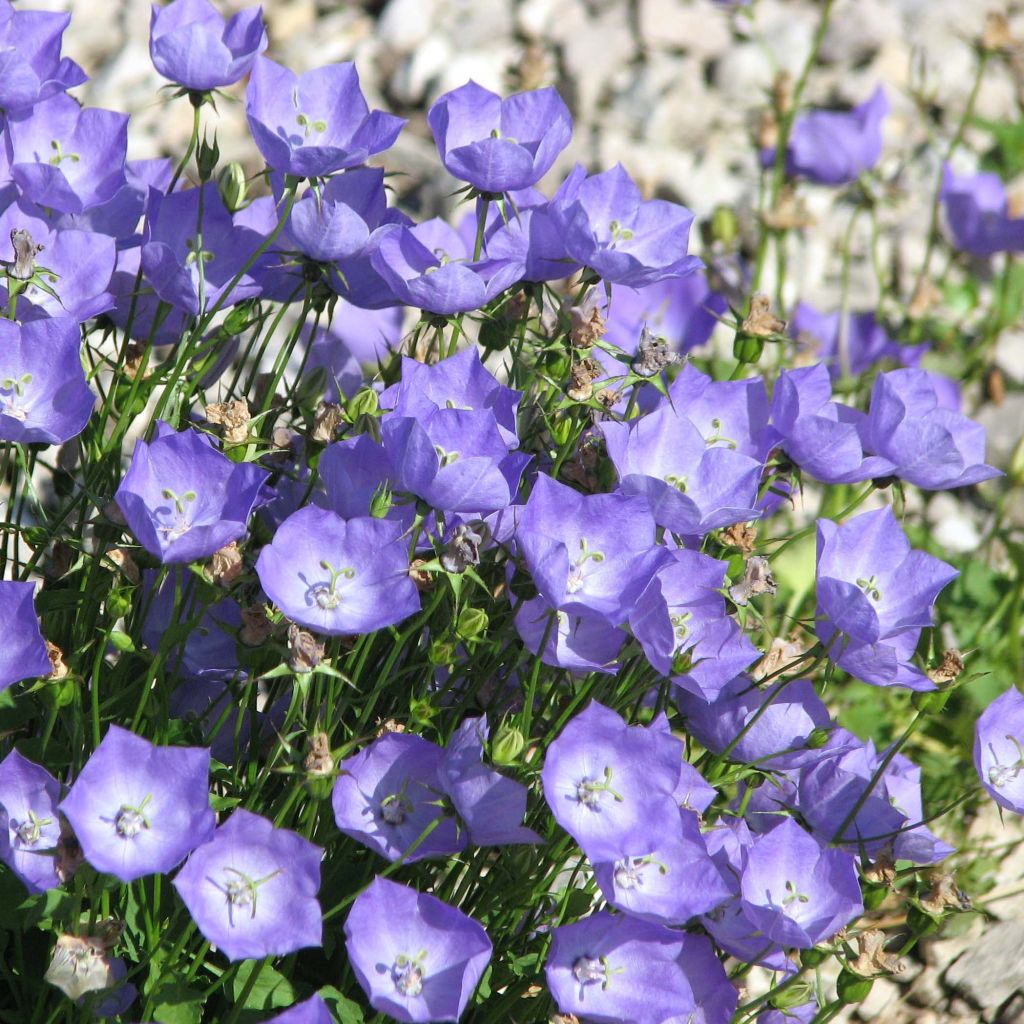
(442, 652)
(874, 896)
(232, 186)
(814, 956)
(381, 502)
(818, 738)
(747, 348)
(122, 641)
(494, 336)
(931, 701)
(472, 623)
(363, 403)
(852, 988)
(562, 429)
(61, 692)
(207, 158)
(921, 923)
(119, 603)
(797, 993)
(556, 365)
(507, 745)
(725, 226)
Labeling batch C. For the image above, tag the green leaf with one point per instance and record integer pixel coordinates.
(346, 1011)
(271, 991)
(175, 1003)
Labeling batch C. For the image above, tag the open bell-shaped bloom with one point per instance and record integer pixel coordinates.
(29, 822)
(998, 750)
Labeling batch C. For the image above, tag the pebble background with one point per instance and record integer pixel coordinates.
(674, 90)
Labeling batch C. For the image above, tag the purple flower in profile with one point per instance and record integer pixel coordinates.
(338, 577)
(251, 889)
(183, 499)
(978, 214)
(43, 393)
(802, 1014)
(832, 147)
(624, 239)
(29, 825)
(918, 438)
(391, 793)
(606, 781)
(822, 437)
(692, 484)
(31, 67)
(491, 805)
(796, 891)
(588, 553)
(682, 626)
(581, 643)
(416, 958)
(192, 45)
(191, 261)
(499, 145)
(875, 595)
(317, 123)
(430, 267)
(310, 1011)
(65, 157)
(610, 967)
(23, 653)
(138, 809)
(998, 754)
(850, 348)
(139, 311)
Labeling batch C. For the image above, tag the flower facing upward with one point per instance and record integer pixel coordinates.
(29, 825)
(252, 889)
(183, 499)
(416, 958)
(191, 44)
(138, 809)
(499, 145)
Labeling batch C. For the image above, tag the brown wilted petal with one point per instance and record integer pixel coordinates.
(926, 296)
(945, 893)
(882, 870)
(995, 385)
(390, 725)
(582, 376)
(329, 417)
(256, 627)
(789, 213)
(125, 563)
(872, 958)
(779, 656)
(949, 668)
(79, 966)
(740, 535)
(69, 852)
(782, 92)
(587, 325)
(133, 359)
(997, 35)
(757, 579)
(58, 669)
(232, 417)
(767, 133)
(424, 580)
(305, 652)
(563, 1018)
(761, 321)
(25, 251)
(226, 564)
(318, 760)
(653, 354)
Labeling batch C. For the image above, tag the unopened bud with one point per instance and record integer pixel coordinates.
(472, 623)
(851, 988)
(507, 745)
(725, 226)
(793, 995)
(232, 186)
(818, 738)
(207, 158)
(381, 501)
(363, 403)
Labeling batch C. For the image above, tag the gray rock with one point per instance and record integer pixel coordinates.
(992, 969)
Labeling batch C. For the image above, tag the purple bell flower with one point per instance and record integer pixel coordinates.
(354, 471)
(611, 968)
(192, 45)
(317, 123)
(606, 781)
(31, 67)
(390, 793)
(43, 393)
(338, 577)
(491, 805)
(833, 147)
(978, 215)
(138, 809)
(588, 553)
(310, 1011)
(185, 500)
(822, 437)
(681, 624)
(191, 261)
(998, 756)
(802, 1014)
(796, 891)
(252, 889)
(499, 145)
(862, 343)
(579, 643)
(65, 157)
(874, 596)
(622, 238)
(692, 486)
(29, 823)
(416, 958)
(918, 438)
(23, 653)
(430, 267)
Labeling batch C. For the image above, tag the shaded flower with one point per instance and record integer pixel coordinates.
(978, 215)
(317, 123)
(31, 67)
(192, 45)
(43, 393)
(183, 499)
(339, 577)
(499, 145)
(29, 824)
(252, 889)
(416, 958)
(391, 793)
(875, 595)
(580, 643)
(310, 1011)
(23, 653)
(138, 809)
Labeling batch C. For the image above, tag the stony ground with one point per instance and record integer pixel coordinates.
(673, 89)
